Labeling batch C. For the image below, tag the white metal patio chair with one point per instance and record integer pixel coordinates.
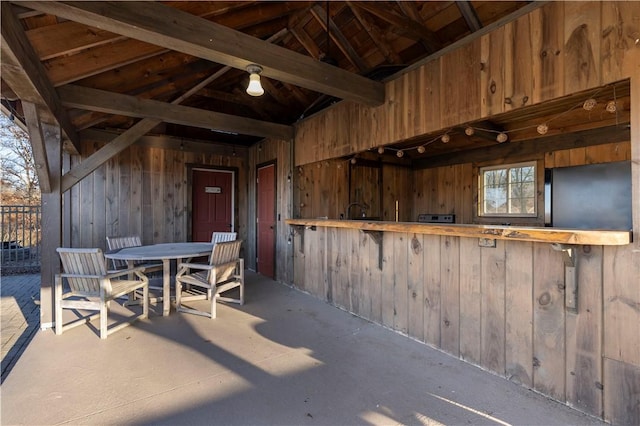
(224, 272)
(93, 288)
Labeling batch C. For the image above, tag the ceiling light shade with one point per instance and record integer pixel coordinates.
(254, 88)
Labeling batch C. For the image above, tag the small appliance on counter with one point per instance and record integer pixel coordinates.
(436, 218)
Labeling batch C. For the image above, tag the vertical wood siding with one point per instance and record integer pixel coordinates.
(144, 191)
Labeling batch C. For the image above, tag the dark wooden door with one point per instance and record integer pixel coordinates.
(212, 193)
(266, 220)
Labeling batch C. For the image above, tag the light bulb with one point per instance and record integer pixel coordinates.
(353, 160)
(421, 149)
(400, 154)
(502, 137)
(542, 129)
(589, 104)
(381, 150)
(255, 88)
(445, 138)
(611, 107)
(469, 131)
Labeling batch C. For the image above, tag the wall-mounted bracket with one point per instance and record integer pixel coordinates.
(569, 254)
(376, 236)
(299, 229)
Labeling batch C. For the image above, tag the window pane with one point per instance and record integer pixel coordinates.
(509, 190)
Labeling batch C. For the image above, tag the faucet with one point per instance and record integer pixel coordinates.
(363, 207)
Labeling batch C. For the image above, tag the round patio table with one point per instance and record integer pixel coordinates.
(164, 252)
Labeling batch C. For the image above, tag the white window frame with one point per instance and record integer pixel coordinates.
(507, 167)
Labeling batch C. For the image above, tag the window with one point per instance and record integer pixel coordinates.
(508, 190)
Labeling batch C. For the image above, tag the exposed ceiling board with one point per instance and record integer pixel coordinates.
(136, 50)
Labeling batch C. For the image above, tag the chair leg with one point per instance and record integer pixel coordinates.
(103, 320)
(213, 303)
(178, 293)
(58, 304)
(145, 301)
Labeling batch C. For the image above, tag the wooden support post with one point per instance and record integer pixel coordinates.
(51, 224)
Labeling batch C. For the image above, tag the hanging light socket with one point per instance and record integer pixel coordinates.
(254, 88)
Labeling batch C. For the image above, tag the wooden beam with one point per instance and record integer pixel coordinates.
(52, 212)
(597, 136)
(409, 26)
(169, 142)
(38, 146)
(374, 32)
(469, 14)
(26, 75)
(114, 103)
(171, 28)
(133, 134)
(306, 41)
(336, 35)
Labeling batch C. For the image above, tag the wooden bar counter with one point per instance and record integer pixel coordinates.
(513, 233)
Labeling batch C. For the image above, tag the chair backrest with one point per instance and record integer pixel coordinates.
(114, 243)
(225, 254)
(219, 237)
(89, 262)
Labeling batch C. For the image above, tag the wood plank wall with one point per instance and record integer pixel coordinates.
(500, 307)
(144, 191)
(531, 60)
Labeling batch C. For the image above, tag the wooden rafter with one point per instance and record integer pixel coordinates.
(114, 103)
(38, 145)
(22, 70)
(410, 27)
(176, 30)
(338, 37)
(469, 14)
(374, 32)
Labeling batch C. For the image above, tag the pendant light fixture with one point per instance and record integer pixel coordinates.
(254, 88)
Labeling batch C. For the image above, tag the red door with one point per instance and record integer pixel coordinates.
(212, 195)
(266, 220)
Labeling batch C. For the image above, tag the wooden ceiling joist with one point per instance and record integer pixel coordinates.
(114, 103)
(374, 32)
(411, 28)
(336, 35)
(173, 29)
(26, 75)
(469, 14)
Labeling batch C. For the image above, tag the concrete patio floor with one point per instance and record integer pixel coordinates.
(284, 358)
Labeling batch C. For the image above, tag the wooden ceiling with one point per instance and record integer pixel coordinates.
(179, 68)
